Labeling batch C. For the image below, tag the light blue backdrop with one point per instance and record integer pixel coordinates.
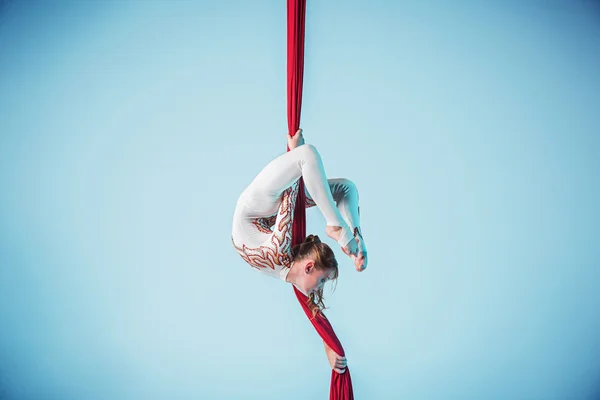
(127, 130)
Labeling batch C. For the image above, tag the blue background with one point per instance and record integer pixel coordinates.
(129, 128)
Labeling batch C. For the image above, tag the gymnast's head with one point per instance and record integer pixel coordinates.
(313, 264)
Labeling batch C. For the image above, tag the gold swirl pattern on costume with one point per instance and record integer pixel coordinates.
(265, 224)
(358, 233)
(277, 249)
(309, 202)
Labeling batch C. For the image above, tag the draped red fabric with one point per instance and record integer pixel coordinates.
(341, 384)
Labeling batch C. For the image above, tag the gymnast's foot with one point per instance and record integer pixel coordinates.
(351, 249)
(297, 140)
(360, 260)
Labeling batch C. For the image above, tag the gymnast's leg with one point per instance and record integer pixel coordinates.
(345, 195)
(303, 161)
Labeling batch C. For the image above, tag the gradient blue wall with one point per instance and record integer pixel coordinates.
(128, 128)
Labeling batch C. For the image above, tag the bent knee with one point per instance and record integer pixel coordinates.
(348, 183)
(341, 188)
(309, 151)
(343, 182)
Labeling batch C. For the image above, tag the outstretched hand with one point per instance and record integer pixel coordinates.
(297, 140)
(338, 363)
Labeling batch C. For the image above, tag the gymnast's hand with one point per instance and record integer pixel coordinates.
(297, 140)
(338, 364)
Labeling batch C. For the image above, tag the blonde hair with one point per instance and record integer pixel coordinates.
(324, 259)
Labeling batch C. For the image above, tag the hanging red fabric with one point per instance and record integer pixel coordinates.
(341, 384)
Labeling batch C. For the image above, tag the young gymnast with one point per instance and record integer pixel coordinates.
(262, 225)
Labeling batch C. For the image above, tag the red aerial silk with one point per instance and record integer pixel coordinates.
(341, 384)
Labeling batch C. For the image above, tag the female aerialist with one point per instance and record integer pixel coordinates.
(262, 225)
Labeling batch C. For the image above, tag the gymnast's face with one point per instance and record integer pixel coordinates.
(314, 279)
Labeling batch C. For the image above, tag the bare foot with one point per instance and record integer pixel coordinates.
(360, 260)
(351, 249)
(297, 140)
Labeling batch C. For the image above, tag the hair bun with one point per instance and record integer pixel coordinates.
(312, 239)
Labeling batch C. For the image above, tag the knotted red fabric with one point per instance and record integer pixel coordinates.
(341, 384)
